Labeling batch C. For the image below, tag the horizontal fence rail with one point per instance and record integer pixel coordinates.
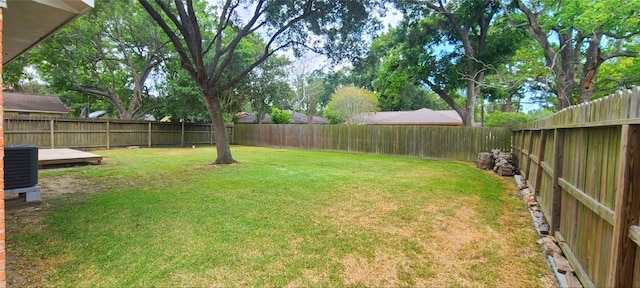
(97, 134)
(583, 164)
(454, 143)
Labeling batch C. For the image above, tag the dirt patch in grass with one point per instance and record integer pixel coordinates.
(23, 272)
(29, 216)
(56, 187)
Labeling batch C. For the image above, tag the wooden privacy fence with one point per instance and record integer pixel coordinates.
(94, 134)
(583, 164)
(455, 143)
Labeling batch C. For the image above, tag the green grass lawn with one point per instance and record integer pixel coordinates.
(164, 217)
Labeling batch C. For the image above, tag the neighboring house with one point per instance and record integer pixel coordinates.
(296, 118)
(34, 105)
(422, 116)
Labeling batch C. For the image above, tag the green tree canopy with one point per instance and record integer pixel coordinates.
(450, 47)
(323, 25)
(578, 37)
(269, 87)
(109, 54)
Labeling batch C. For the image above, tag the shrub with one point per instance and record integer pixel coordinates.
(280, 117)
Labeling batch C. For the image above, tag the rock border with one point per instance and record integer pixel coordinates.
(565, 277)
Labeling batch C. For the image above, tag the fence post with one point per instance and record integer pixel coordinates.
(556, 202)
(623, 249)
(523, 132)
(211, 134)
(182, 133)
(149, 135)
(52, 134)
(108, 135)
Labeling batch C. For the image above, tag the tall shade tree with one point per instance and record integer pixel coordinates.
(453, 45)
(307, 89)
(181, 96)
(269, 87)
(330, 81)
(578, 37)
(284, 24)
(109, 54)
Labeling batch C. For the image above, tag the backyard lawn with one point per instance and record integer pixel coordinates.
(164, 217)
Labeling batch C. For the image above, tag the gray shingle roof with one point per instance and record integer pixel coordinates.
(422, 116)
(296, 118)
(33, 103)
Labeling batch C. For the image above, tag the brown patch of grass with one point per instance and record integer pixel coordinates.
(382, 270)
(172, 152)
(459, 240)
(367, 207)
(31, 273)
(457, 247)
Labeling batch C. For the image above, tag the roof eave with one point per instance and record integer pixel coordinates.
(35, 111)
(29, 22)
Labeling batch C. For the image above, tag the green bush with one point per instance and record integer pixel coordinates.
(333, 116)
(506, 119)
(280, 117)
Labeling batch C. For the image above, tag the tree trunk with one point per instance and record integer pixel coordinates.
(219, 130)
(592, 64)
(565, 90)
(470, 109)
(561, 61)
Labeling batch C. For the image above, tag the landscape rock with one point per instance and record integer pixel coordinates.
(572, 280)
(550, 246)
(502, 162)
(562, 264)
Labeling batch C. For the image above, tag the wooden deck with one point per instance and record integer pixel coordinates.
(66, 156)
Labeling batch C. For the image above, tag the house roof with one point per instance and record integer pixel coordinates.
(381, 116)
(422, 116)
(33, 103)
(296, 118)
(250, 119)
(299, 118)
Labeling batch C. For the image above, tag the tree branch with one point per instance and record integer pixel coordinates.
(186, 62)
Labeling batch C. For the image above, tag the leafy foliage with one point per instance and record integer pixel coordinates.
(506, 119)
(509, 119)
(280, 117)
(335, 26)
(182, 98)
(350, 104)
(269, 87)
(109, 54)
(449, 47)
(308, 88)
(578, 37)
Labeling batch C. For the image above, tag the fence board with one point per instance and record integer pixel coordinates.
(94, 134)
(455, 143)
(577, 174)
